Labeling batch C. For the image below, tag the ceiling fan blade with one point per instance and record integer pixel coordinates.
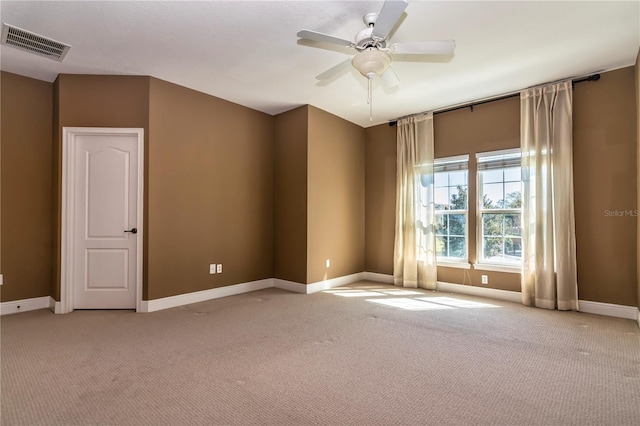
(388, 17)
(436, 47)
(324, 38)
(334, 72)
(389, 80)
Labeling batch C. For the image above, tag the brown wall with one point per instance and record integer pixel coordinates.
(26, 123)
(605, 141)
(210, 193)
(380, 198)
(605, 178)
(290, 195)
(335, 206)
(637, 67)
(281, 195)
(209, 184)
(94, 101)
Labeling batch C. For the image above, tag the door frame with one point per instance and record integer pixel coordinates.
(69, 143)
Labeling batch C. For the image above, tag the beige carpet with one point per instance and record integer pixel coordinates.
(337, 357)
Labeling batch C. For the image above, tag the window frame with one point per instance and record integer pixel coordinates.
(495, 160)
(452, 164)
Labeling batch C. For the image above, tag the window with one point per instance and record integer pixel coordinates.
(500, 208)
(451, 207)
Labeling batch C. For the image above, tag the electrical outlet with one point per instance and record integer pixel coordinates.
(219, 268)
(485, 279)
(328, 263)
(212, 268)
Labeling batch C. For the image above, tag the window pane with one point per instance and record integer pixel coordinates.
(441, 246)
(512, 225)
(459, 198)
(457, 247)
(501, 188)
(441, 224)
(451, 192)
(493, 194)
(513, 249)
(458, 178)
(489, 176)
(441, 198)
(492, 248)
(512, 174)
(492, 224)
(441, 179)
(457, 224)
(513, 195)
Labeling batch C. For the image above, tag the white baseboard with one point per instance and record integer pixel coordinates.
(215, 293)
(608, 309)
(24, 305)
(598, 308)
(334, 282)
(379, 278)
(202, 296)
(493, 293)
(55, 306)
(319, 285)
(290, 286)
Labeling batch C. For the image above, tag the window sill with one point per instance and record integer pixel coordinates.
(459, 265)
(516, 269)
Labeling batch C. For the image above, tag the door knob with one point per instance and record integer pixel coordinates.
(133, 230)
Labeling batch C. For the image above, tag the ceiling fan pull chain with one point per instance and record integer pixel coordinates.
(370, 99)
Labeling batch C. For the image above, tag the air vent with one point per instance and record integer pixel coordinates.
(34, 43)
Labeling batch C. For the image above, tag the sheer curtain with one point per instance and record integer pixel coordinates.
(414, 262)
(549, 275)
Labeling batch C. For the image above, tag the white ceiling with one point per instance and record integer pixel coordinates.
(247, 51)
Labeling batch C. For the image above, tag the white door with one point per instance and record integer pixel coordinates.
(105, 216)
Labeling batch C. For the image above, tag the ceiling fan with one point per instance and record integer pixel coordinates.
(373, 52)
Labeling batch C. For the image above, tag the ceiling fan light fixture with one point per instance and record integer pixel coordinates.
(371, 62)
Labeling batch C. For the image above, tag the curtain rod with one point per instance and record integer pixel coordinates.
(593, 77)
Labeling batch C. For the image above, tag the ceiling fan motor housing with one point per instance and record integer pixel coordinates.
(364, 39)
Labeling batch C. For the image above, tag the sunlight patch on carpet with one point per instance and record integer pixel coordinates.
(354, 293)
(409, 302)
(458, 303)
